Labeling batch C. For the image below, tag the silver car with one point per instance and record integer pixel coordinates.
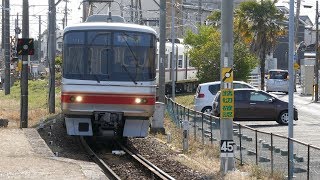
(278, 81)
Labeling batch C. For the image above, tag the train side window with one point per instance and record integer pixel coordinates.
(166, 61)
(180, 59)
(157, 61)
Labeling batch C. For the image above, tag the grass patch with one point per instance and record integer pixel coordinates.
(186, 100)
(37, 102)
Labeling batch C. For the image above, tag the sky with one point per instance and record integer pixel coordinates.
(40, 7)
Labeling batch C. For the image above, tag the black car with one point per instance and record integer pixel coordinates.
(252, 104)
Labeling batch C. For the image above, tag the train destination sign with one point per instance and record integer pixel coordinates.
(227, 104)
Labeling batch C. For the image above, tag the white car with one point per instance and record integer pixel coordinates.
(277, 81)
(206, 92)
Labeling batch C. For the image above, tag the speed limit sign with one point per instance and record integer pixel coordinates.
(226, 148)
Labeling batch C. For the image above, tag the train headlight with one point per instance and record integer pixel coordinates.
(79, 98)
(140, 100)
(76, 98)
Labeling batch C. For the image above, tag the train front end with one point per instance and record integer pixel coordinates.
(108, 84)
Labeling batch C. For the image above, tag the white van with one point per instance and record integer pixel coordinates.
(278, 81)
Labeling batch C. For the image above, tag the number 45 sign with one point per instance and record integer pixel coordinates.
(226, 148)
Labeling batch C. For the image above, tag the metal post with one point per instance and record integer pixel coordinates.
(256, 135)
(316, 74)
(226, 60)
(240, 144)
(308, 163)
(173, 85)
(52, 54)
(24, 71)
(202, 130)
(291, 86)
(39, 40)
(272, 148)
(162, 49)
(7, 47)
(2, 35)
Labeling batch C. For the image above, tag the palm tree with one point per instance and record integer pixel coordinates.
(260, 24)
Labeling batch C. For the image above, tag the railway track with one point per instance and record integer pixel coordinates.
(152, 171)
(106, 169)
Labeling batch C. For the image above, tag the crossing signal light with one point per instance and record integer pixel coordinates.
(25, 46)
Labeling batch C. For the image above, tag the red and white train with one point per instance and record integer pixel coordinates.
(109, 78)
(108, 84)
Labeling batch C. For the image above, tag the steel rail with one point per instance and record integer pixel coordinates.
(106, 169)
(154, 169)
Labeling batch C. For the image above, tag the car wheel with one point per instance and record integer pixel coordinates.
(206, 110)
(283, 118)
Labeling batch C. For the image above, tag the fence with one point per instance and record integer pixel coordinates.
(267, 150)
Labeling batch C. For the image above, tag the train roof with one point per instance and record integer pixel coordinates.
(110, 26)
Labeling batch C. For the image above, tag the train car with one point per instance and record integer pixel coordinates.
(109, 79)
(184, 73)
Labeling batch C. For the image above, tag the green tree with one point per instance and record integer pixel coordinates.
(259, 26)
(205, 55)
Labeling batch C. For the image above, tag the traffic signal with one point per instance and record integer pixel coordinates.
(25, 46)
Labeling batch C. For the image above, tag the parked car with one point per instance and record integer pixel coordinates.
(206, 92)
(277, 81)
(254, 104)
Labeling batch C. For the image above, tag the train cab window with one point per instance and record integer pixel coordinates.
(180, 59)
(74, 65)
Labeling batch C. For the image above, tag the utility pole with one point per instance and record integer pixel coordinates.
(7, 47)
(39, 40)
(66, 14)
(162, 51)
(24, 71)
(316, 74)
(140, 12)
(136, 16)
(296, 40)
(52, 54)
(291, 89)
(226, 64)
(2, 35)
(85, 5)
(173, 85)
(131, 13)
(199, 11)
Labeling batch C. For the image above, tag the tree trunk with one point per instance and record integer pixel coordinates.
(263, 64)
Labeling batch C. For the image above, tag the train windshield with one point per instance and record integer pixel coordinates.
(109, 56)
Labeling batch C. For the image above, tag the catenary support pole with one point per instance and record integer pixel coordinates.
(162, 49)
(291, 86)
(52, 54)
(173, 64)
(226, 61)
(7, 47)
(24, 71)
(39, 40)
(316, 72)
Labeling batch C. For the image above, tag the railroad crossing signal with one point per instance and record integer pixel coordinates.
(25, 46)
